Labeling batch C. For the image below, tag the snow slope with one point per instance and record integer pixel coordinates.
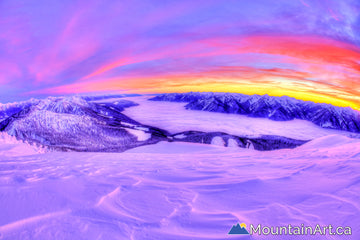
(173, 117)
(9, 146)
(179, 191)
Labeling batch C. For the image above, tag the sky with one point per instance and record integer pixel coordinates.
(305, 49)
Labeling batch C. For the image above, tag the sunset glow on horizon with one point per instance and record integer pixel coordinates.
(309, 50)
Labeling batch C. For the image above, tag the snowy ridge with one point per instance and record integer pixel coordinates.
(274, 108)
(9, 109)
(72, 123)
(15, 147)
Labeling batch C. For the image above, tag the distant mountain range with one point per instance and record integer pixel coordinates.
(275, 108)
(79, 124)
(102, 97)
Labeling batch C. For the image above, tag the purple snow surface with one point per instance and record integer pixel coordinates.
(179, 191)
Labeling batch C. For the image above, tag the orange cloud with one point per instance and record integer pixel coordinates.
(326, 70)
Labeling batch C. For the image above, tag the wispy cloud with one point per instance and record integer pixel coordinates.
(283, 47)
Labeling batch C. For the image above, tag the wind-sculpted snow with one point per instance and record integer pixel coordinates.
(75, 124)
(275, 108)
(180, 191)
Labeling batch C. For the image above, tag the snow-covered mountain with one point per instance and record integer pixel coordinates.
(275, 108)
(9, 109)
(75, 124)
